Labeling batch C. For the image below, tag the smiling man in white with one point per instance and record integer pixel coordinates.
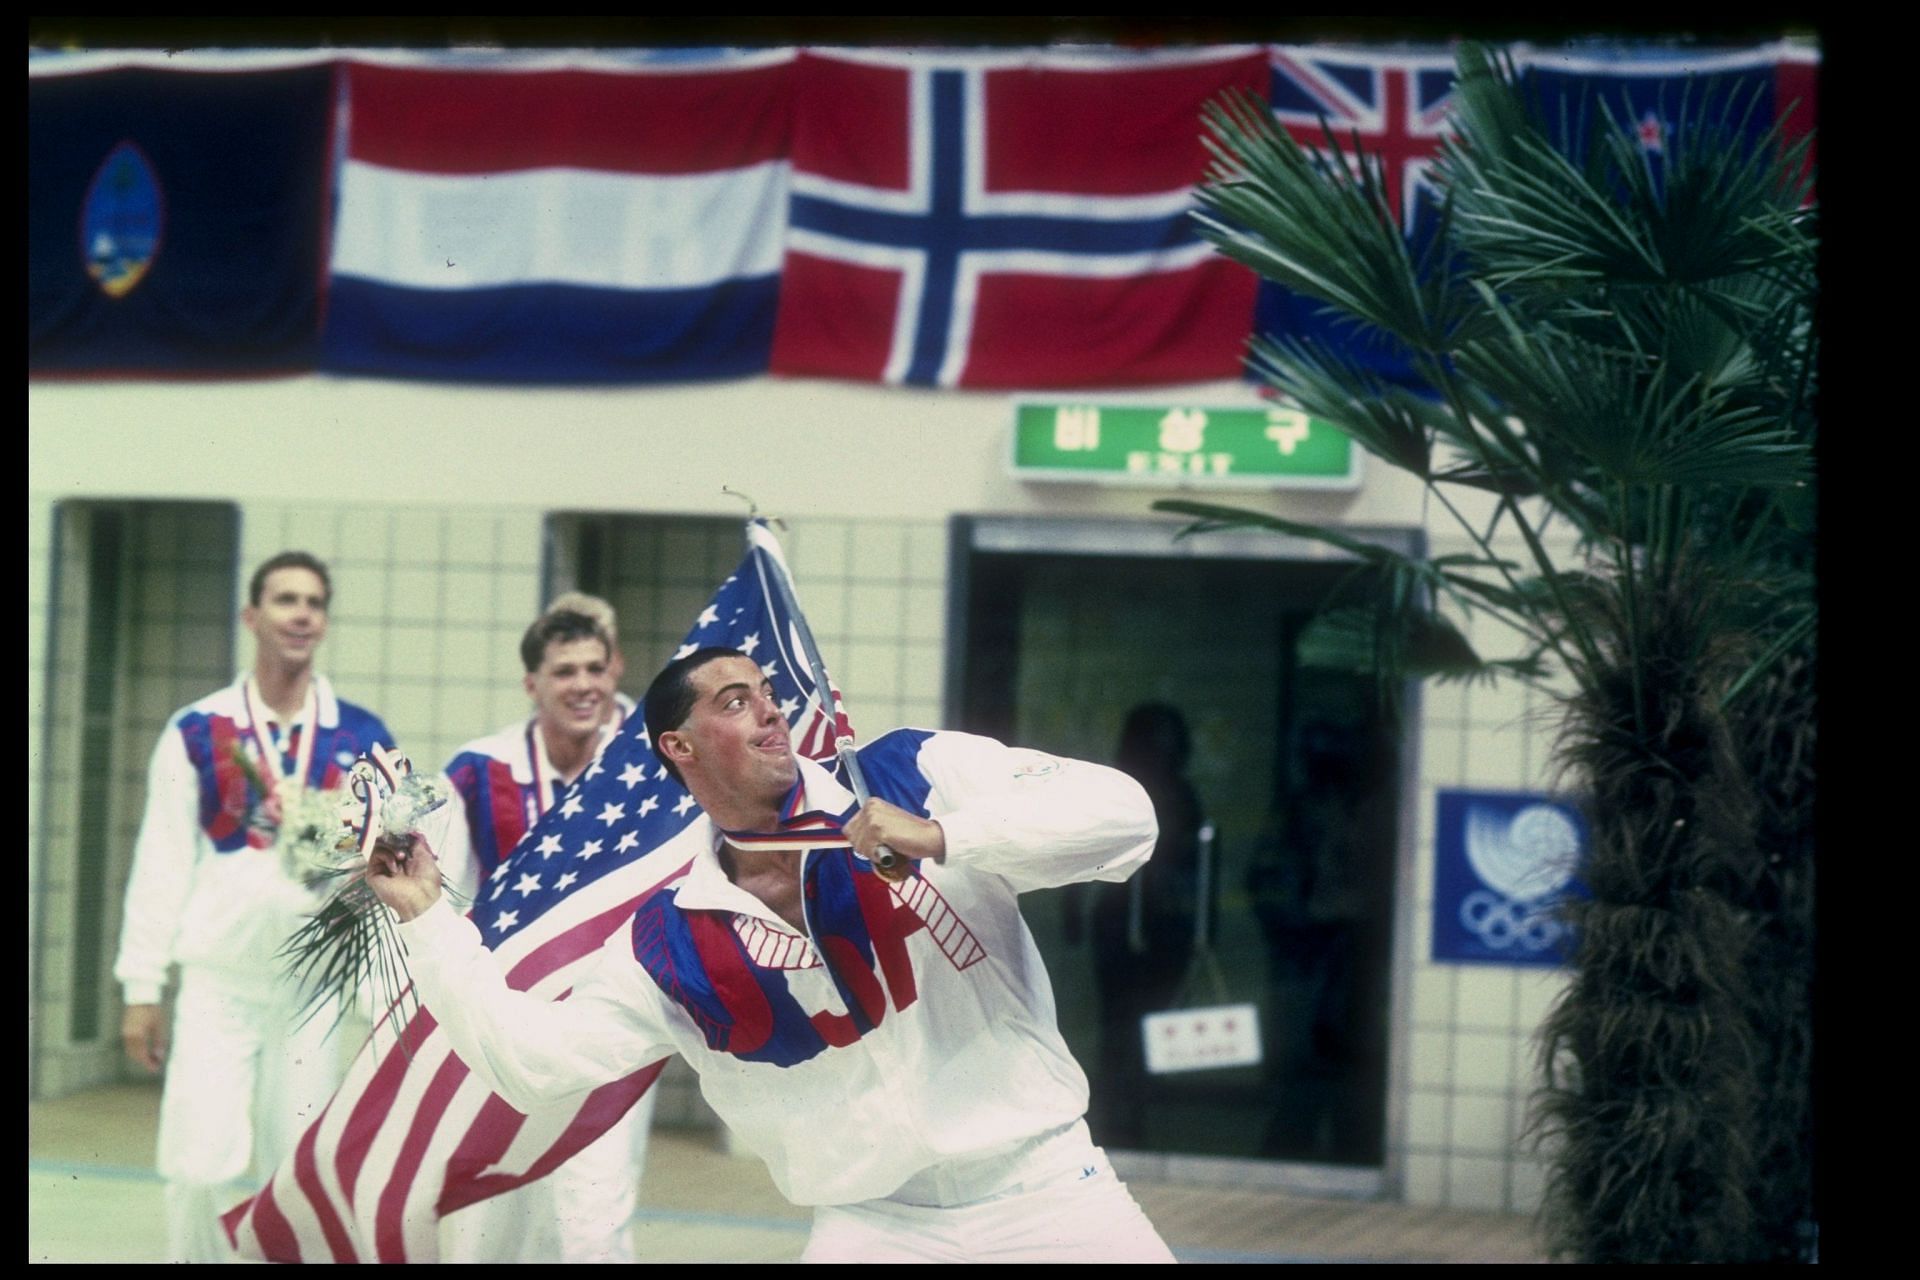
(210, 893)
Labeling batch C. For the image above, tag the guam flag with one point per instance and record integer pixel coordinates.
(413, 1134)
(176, 218)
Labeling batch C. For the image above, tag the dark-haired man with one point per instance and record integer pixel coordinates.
(890, 1050)
(209, 893)
(505, 781)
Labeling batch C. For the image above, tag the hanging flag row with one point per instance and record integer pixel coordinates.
(1013, 219)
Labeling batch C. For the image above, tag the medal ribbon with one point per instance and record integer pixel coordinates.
(800, 829)
(273, 771)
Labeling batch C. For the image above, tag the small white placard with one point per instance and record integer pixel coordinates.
(1221, 1035)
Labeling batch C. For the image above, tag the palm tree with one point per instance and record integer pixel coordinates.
(1614, 363)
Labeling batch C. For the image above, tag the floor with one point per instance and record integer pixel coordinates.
(93, 1197)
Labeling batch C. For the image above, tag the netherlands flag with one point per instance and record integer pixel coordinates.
(575, 219)
(1008, 219)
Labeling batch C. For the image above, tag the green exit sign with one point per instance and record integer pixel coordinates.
(1181, 446)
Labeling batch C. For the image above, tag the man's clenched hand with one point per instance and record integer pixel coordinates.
(404, 876)
(879, 823)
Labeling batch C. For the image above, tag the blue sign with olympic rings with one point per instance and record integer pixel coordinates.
(1504, 861)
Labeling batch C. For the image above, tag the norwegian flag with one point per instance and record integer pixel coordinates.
(412, 1134)
(1013, 219)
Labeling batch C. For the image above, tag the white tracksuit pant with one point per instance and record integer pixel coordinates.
(243, 1081)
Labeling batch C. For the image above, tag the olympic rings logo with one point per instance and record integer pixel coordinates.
(1502, 923)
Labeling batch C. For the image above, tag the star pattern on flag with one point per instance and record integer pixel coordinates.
(633, 774)
(611, 813)
(506, 920)
(627, 842)
(708, 616)
(588, 849)
(686, 803)
(572, 806)
(549, 845)
(648, 805)
(748, 645)
(528, 884)
(1652, 133)
(565, 882)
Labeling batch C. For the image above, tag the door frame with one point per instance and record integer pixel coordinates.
(1159, 538)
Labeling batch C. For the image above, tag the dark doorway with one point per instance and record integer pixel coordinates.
(1297, 770)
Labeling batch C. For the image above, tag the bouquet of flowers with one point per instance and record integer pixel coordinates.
(347, 944)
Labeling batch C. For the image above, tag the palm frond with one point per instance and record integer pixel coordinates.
(1319, 224)
(1389, 422)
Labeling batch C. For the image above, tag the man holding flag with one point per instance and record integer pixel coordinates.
(895, 1058)
(888, 1046)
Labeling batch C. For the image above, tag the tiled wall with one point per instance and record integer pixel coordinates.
(1470, 1066)
(52, 702)
(173, 608)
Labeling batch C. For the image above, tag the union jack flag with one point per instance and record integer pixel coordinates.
(1397, 105)
(413, 1134)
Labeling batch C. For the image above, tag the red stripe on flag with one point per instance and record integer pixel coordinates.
(1105, 131)
(270, 1226)
(836, 318)
(623, 122)
(493, 1130)
(603, 1107)
(582, 939)
(307, 1173)
(370, 1113)
(851, 122)
(390, 1222)
(1169, 326)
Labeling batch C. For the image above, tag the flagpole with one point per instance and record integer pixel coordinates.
(885, 861)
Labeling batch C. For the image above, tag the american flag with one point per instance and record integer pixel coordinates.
(412, 1134)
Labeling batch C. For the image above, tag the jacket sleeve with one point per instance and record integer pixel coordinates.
(531, 1050)
(451, 840)
(164, 856)
(1034, 819)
